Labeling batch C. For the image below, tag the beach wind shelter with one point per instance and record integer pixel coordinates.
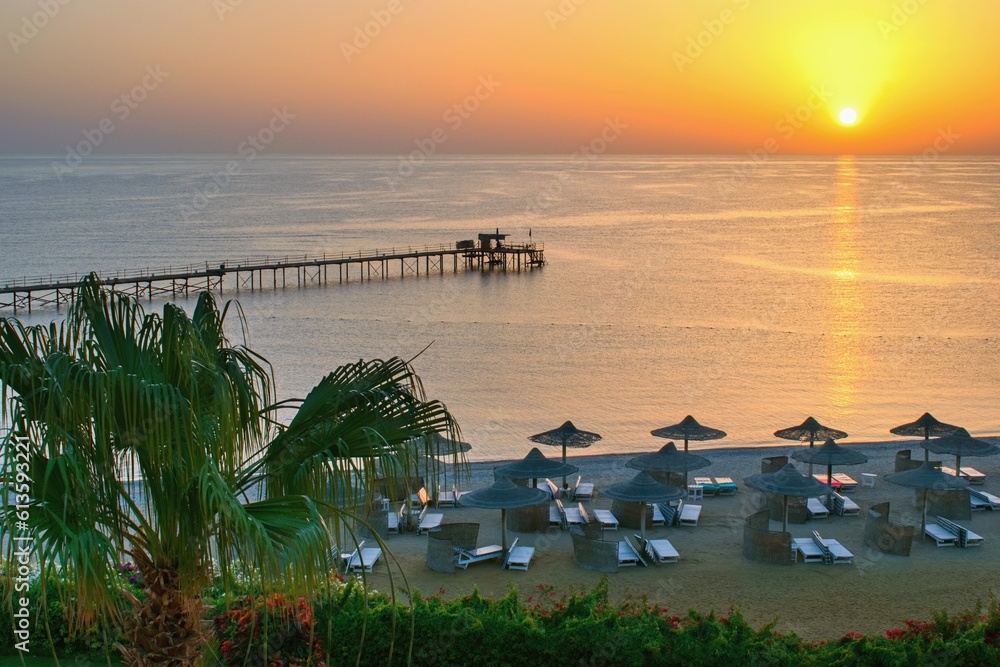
(688, 429)
(786, 482)
(926, 426)
(959, 443)
(926, 477)
(830, 454)
(812, 431)
(534, 466)
(504, 495)
(643, 489)
(565, 436)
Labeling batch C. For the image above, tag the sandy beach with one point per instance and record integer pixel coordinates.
(816, 601)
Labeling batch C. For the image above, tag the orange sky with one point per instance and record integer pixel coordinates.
(527, 76)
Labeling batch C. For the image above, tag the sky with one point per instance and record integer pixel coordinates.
(519, 76)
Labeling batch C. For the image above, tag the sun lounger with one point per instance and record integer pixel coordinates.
(941, 535)
(628, 555)
(807, 549)
(983, 500)
(607, 520)
(816, 509)
(553, 489)
(658, 518)
(661, 551)
(671, 515)
(458, 495)
(583, 491)
(847, 483)
(708, 487)
(689, 514)
(395, 517)
(571, 515)
(834, 552)
(446, 498)
(835, 483)
(555, 516)
(844, 506)
(726, 486)
(518, 558)
(966, 538)
(429, 521)
(362, 559)
(972, 475)
(466, 557)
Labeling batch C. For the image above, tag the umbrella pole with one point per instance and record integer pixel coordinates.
(642, 524)
(923, 513)
(958, 466)
(927, 436)
(784, 514)
(565, 485)
(503, 529)
(812, 441)
(685, 472)
(829, 483)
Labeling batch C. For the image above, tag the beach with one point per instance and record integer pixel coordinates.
(818, 602)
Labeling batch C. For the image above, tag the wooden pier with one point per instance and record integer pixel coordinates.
(260, 273)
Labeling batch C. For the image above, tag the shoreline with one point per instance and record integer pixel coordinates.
(817, 602)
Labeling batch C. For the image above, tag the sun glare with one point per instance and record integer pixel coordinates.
(848, 116)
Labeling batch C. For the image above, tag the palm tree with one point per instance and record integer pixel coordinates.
(152, 436)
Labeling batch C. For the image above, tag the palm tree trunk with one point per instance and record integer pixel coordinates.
(165, 629)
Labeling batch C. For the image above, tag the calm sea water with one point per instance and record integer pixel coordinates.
(862, 291)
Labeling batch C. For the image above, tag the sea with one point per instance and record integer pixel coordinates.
(750, 293)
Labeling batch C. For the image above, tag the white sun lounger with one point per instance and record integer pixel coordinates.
(361, 559)
(607, 520)
(833, 551)
(844, 506)
(658, 518)
(661, 551)
(816, 509)
(553, 489)
(518, 558)
(627, 554)
(583, 490)
(429, 521)
(941, 536)
(446, 498)
(465, 557)
(572, 515)
(690, 514)
(982, 500)
(966, 538)
(555, 516)
(809, 550)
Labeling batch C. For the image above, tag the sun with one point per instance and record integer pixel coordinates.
(848, 116)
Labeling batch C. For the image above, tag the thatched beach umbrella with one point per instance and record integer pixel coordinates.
(830, 454)
(688, 429)
(786, 482)
(926, 426)
(565, 436)
(643, 489)
(959, 443)
(440, 447)
(533, 466)
(669, 459)
(504, 495)
(810, 430)
(925, 477)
